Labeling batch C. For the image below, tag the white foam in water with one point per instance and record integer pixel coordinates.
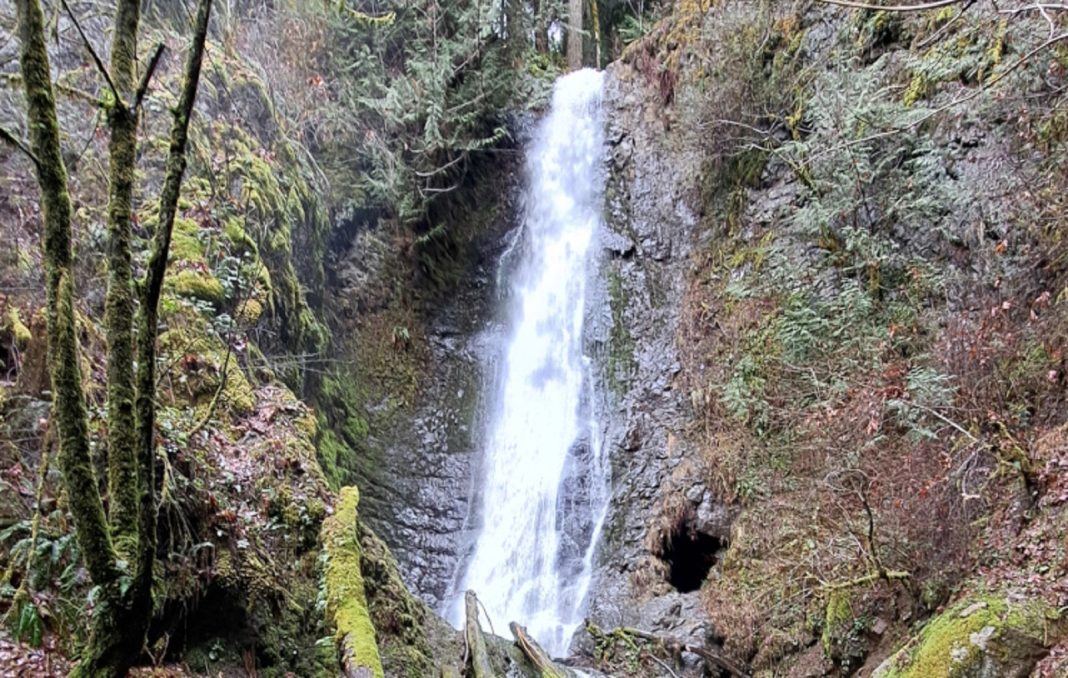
(527, 566)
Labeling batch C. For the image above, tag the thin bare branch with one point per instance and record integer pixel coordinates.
(146, 79)
(893, 8)
(937, 35)
(92, 52)
(17, 143)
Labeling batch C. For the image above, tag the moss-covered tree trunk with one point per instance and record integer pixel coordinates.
(68, 406)
(123, 491)
(124, 606)
(68, 411)
(148, 318)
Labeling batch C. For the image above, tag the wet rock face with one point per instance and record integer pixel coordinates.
(420, 498)
(649, 198)
(418, 493)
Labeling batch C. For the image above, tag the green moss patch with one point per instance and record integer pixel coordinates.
(200, 358)
(981, 636)
(11, 324)
(196, 285)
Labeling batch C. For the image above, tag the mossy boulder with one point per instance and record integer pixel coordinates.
(981, 637)
(202, 361)
(186, 246)
(194, 284)
(343, 590)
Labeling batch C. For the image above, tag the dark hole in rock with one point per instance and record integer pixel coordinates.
(690, 556)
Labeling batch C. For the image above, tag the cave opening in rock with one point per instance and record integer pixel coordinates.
(690, 556)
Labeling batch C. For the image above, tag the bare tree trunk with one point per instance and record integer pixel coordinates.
(515, 18)
(541, 27)
(476, 642)
(574, 34)
(595, 23)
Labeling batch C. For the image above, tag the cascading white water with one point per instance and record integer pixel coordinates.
(543, 488)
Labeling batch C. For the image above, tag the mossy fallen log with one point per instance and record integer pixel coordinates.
(346, 600)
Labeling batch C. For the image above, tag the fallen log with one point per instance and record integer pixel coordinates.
(533, 652)
(478, 655)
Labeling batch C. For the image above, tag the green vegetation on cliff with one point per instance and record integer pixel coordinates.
(872, 328)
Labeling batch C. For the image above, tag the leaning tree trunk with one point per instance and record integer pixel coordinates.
(68, 406)
(68, 409)
(574, 34)
(148, 318)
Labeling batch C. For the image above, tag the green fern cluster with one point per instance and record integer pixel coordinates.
(846, 266)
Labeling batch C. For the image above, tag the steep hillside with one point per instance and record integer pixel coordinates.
(855, 429)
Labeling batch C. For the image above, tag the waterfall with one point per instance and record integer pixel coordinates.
(543, 486)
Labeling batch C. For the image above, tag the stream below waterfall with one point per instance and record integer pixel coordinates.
(541, 494)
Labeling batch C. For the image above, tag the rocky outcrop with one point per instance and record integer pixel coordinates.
(659, 506)
(980, 637)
